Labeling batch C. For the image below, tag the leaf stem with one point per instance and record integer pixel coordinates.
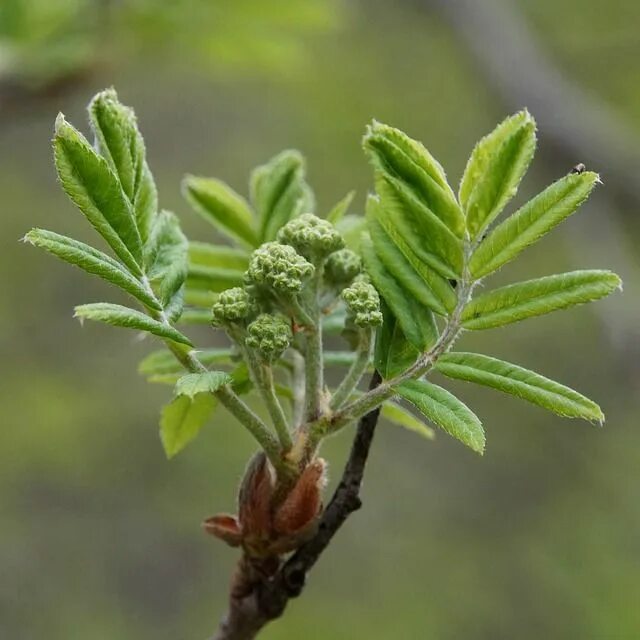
(254, 425)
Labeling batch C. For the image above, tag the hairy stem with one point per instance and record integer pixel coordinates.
(356, 371)
(298, 388)
(314, 369)
(275, 408)
(254, 425)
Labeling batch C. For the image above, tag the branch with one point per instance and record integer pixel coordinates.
(258, 597)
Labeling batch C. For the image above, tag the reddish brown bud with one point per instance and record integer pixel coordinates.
(254, 498)
(224, 526)
(301, 508)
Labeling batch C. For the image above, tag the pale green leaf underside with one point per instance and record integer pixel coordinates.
(536, 297)
(531, 222)
(194, 383)
(220, 205)
(119, 316)
(182, 420)
(92, 261)
(417, 278)
(520, 382)
(398, 415)
(495, 168)
(444, 410)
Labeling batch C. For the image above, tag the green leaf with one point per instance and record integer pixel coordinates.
(95, 189)
(525, 384)
(121, 145)
(338, 212)
(531, 222)
(92, 261)
(393, 352)
(279, 192)
(395, 154)
(415, 319)
(216, 255)
(536, 297)
(194, 383)
(167, 261)
(445, 411)
(494, 170)
(163, 361)
(182, 420)
(427, 236)
(419, 280)
(220, 205)
(119, 316)
(397, 414)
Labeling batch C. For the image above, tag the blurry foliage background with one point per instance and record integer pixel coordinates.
(99, 535)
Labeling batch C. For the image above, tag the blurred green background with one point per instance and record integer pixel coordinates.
(100, 535)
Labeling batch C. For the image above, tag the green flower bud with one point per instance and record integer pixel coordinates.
(270, 335)
(342, 267)
(280, 267)
(363, 304)
(232, 305)
(312, 237)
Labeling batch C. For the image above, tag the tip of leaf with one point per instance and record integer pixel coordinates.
(526, 117)
(28, 237)
(61, 123)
